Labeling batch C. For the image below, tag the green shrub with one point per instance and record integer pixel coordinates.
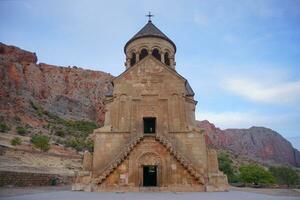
(80, 144)
(41, 142)
(89, 144)
(74, 132)
(285, 175)
(54, 181)
(21, 130)
(76, 143)
(39, 109)
(16, 141)
(255, 174)
(3, 127)
(225, 165)
(84, 127)
(47, 126)
(60, 133)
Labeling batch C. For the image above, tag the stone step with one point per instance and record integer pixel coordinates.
(180, 158)
(113, 165)
(149, 189)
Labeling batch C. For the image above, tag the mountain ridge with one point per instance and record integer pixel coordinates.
(260, 144)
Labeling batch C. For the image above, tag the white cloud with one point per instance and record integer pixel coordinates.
(264, 91)
(201, 19)
(240, 119)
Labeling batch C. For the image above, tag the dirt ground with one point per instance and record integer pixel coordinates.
(25, 158)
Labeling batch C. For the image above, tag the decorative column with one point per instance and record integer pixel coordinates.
(162, 56)
(127, 63)
(137, 57)
(172, 62)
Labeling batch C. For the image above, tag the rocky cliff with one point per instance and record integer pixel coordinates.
(69, 92)
(256, 143)
(28, 88)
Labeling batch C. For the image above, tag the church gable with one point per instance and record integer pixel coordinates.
(148, 65)
(152, 76)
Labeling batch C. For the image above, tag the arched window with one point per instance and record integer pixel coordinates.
(132, 59)
(167, 59)
(143, 54)
(156, 54)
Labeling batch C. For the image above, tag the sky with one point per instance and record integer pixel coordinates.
(242, 58)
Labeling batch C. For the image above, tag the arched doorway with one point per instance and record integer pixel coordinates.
(149, 170)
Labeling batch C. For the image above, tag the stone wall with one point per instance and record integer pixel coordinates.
(32, 179)
(106, 148)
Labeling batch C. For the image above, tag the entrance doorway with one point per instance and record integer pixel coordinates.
(149, 175)
(149, 125)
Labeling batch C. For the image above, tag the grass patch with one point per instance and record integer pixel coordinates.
(21, 130)
(16, 141)
(3, 127)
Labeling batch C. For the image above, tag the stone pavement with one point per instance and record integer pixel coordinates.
(69, 195)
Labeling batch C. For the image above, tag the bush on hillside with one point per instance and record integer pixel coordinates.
(3, 127)
(89, 144)
(76, 143)
(285, 176)
(60, 133)
(41, 142)
(16, 141)
(80, 144)
(21, 130)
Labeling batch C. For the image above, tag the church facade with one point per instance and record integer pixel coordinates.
(149, 140)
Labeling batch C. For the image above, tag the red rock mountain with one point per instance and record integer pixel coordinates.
(256, 143)
(76, 93)
(70, 92)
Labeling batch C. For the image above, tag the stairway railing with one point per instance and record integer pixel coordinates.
(119, 158)
(186, 162)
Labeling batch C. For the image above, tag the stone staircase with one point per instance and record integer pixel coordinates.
(187, 164)
(110, 167)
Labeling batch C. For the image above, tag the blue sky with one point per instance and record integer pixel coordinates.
(242, 58)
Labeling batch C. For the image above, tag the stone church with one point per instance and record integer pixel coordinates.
(149, 140)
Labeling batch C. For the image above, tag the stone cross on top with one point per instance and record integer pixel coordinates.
(149, 16)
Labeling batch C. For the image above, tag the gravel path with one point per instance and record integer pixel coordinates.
(69, 195)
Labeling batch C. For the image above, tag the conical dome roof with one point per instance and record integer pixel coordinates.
(150, 30)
